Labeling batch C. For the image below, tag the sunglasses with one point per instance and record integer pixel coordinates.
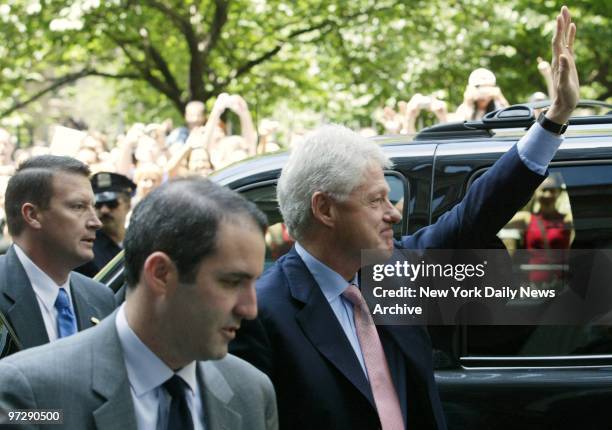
(111, 204)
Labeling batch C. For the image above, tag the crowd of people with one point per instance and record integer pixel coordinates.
(310, 354)
(481, 96)
(150, 154)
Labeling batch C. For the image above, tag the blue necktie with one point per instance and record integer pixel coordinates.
(66, 322)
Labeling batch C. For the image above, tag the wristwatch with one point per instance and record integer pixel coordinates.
(551, 126)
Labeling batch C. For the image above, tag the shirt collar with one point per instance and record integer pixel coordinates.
(146, 371)
(332, 284)
(188, 373)
(44, 287)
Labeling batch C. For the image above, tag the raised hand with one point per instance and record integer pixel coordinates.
(564, 73)
(222, 103)
(237, 104)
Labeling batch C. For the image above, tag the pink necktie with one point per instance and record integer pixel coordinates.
(385, 396)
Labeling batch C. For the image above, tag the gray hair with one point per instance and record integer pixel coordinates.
(331, 159)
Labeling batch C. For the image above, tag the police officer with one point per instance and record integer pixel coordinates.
(113, 193)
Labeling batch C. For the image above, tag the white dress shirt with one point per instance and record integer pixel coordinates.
(146, 373)
(46, 291)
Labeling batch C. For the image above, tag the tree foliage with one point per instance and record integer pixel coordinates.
(337, 57)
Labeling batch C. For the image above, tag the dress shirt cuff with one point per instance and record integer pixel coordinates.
(537, 148)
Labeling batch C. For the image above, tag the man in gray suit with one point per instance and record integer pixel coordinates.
(193, 251)
(50, 215)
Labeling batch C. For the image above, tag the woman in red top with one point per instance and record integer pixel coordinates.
(547, 233)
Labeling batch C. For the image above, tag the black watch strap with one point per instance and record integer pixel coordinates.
(551, 126)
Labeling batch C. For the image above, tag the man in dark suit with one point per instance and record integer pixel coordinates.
(332, 369)
(51, 218)
(113, 193)
(193, 251)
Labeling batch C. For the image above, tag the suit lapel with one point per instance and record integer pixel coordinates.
(217, 395)
(110, 380)
(321, 326)
(410, 343)
(84, 310)
(416, 355)
(24, 315)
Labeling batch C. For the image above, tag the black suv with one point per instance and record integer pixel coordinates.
(550, 377)
(490, 377)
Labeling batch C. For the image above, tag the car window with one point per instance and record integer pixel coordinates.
(278, 240)
(570, 211)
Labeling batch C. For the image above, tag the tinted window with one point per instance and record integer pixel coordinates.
(571, 211)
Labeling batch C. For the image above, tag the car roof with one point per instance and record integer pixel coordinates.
(494, 133)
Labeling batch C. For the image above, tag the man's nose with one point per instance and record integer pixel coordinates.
(393, 214)
(94, 222)
(247, 303)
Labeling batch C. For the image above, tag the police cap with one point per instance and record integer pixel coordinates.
(107, 186)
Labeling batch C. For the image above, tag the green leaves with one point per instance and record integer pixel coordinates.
(344, 59)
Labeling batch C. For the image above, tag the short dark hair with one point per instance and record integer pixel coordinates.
(181, 218)
(33, 183)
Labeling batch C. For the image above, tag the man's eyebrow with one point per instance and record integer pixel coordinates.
(80, 199)
(381, 190)
(235, 274)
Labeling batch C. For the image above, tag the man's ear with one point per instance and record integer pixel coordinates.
(32, 215)
(323, 209)
(159, 273)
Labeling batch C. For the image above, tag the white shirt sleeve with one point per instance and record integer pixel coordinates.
(538, 147)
